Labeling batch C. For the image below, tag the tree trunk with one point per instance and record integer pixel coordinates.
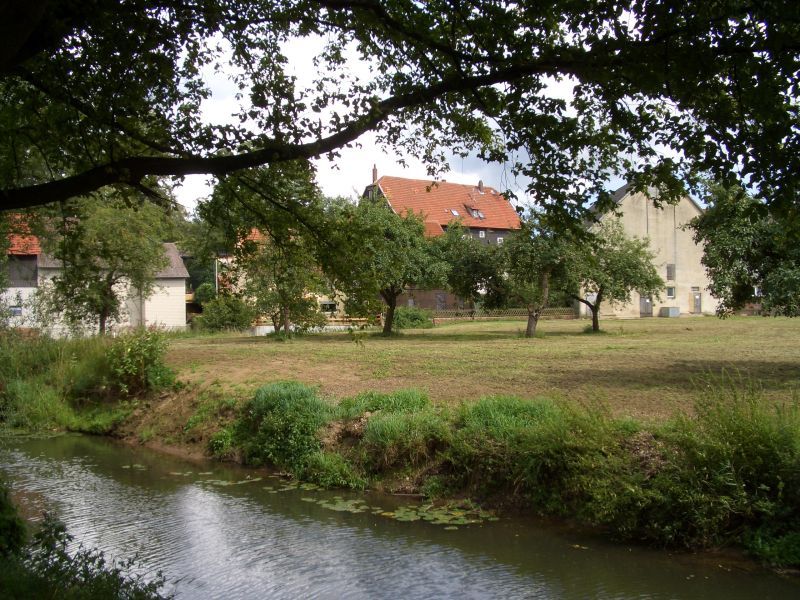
(533, 320)
(287, 331)
(390, 297)
(103, 321)
(596, 311)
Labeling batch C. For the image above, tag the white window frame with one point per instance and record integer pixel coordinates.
(671, 296)
(482, 233)
(499, 240)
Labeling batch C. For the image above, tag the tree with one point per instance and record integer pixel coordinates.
(109, 92)
(379, 254)
(533, 258)
(474, 269)
(107, 249)
(750, 255)
(607, 265)
(282, 277)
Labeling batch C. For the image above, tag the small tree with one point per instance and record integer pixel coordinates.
(379, 255)
(106, 248)
(282, 278)
(532, 258)
(608, 265)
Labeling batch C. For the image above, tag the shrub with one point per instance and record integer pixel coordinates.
(12, 529)
(225, 312)
(331, 471)
(410, 317)
(204, 293)
(220, 445)
(137, 362)
(279, 425)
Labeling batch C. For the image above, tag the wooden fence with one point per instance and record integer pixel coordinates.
(479, 314)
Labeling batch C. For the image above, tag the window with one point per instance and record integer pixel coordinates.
(16, 311)
(328, 307)
(670, 292)
(22, 271)
(671, 272)
(454, 212)
(499, 240)
(480, 214)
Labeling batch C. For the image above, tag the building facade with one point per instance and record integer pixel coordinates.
(677, 257)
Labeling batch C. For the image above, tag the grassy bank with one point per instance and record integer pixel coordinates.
(89, 385)
(729, 475)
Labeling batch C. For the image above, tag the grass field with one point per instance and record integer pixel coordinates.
(647, 368)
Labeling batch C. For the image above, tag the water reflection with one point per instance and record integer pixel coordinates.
(242, 541)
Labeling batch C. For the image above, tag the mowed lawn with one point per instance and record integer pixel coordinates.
(645, 368)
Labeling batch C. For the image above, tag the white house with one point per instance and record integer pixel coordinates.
(29, 268)
(677, 257)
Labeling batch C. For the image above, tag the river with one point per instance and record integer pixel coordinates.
(218, 531)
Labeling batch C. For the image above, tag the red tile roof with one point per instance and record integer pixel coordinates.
(22, 242)
(437, 201)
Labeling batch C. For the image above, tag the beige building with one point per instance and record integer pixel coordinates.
(677, 258)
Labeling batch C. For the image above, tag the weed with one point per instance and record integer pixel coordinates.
(331, 470)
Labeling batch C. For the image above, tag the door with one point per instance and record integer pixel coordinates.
(698, 301)
(645, 307)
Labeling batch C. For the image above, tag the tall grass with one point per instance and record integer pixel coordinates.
(74, 383)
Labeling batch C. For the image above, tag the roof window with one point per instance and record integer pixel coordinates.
(454, 212)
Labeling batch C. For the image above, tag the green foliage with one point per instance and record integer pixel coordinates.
(747, 248)
(410, 317)
(475, 268)
(137, 362)
(396, 402)
(331, 470)
(104, 246)
(380, 254)
(204, 293)
(221, 444)
(404, 439)
(225, 312)
(12, 528)
(279, 425)
(52, 568)
(608, 266)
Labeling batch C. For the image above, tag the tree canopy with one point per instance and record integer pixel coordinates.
(607, 266)
(111, 92)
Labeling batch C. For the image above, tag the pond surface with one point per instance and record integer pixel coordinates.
(221, 532)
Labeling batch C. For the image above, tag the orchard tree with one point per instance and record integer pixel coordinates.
(749, 250)
(378, 255)
(474, 270)
(110, 92)
(107, 249)
(534, 261)
(607, 266)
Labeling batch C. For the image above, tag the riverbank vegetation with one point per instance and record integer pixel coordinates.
(729, 475)
(82, 384)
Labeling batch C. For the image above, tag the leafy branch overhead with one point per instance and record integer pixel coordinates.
(109, 92)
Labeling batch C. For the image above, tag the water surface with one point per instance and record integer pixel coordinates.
(221, 532)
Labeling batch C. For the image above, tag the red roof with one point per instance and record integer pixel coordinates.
(442, 202)
(22, 242)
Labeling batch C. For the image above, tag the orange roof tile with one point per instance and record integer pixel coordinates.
(442, 202)
(22, 242)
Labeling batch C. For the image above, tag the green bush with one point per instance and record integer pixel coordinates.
(331, 470)
(12, 529)
(137, 362)
(404, 438)
(225, 312)
(221, 444)
(410, 317)
(204, 293)
(279, 425)
(399, 401)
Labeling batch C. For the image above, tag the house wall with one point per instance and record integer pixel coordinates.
(165, 308)
(671, 243)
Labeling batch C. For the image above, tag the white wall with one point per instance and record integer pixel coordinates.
(167, 306)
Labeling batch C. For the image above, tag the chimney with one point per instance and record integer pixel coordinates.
(480, 185)
(374, 173)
